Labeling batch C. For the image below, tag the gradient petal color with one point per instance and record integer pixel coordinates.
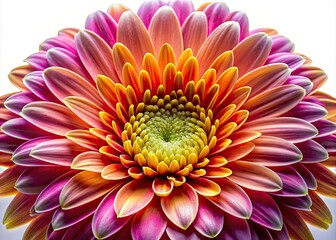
(172, 123)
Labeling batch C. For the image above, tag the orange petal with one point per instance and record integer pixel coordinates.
(239, 151)
(8, 179)
(121, 56)
(114, 172)
(90, 161)
(133, 197)
(205, 186)
(162, 187)
(165, 28)
(86, 139)
(38, 228)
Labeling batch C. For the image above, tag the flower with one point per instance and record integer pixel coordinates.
(172, 123)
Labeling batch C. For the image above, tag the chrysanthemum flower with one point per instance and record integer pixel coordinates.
(172, 123)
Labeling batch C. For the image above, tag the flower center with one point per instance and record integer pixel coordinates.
(169, 134)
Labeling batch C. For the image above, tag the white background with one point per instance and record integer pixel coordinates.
(309, 24)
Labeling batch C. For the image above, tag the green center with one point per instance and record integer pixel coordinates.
(170, 134)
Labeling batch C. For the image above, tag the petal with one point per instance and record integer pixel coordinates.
(312, 152)
(292, 60)
(308, 111)
(82, 229)
(224, 38)
(48, 199)
(281, 44)
(82, 188)
(303, 203)
(182, 9)
(114, 172)
(85, 110)
(328, 142)
(17, 74)
(105, 221)
(176, 233)
(133, 34)
(165, 28)
(16, 102)
(18, 211)
(254, 176)
(90, 161)
(324, 127)
(147, 10)
(104, 25)
(306, 175)
(209, 220)
(292, 182)
(8, 178)
(274, 102)
(265, 210)
(235, 228)
(194, 31)
(37, 228)
(242, 19)
(204, 186)
(216, 13)
(293, 130)
(316, 75)
(62, 121)
(264, 78)
(116, 10)
(22, 129)
(149, 223)
(303, 82)
(181, 206)
(252, 52)
(233, 200)
(9, 144)
(162, 187)
(133, 197)
(38, 60)
(64, 83)
(86, 139)
(272, 151)
(34, 179)
(95, 54)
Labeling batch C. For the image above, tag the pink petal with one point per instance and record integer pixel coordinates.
(133, 197)
(16, 102)
(293, 130)
(242, 19)
(328, 142)
(324, 127)
(308, 177)
(82, 229)
(303, 82)
(48, 199)
(34, 179)
(280, 235)
(281, 44)
(292, 60)
(233, 200)
(147, 10)
(308, 111)
(133, 34)
(292, 182)
(312, 151)
(254, 176)
(22, 129)
(105, 221)
(57, 151)
(165, 28)
(116, 10)
(8, 143)
(194, 31)
(149, 223)
(265, 210)
(181, 206)
(182, 8)
(36, 84)
(83, 188)
(209, 220)
(95, 54)
(60, 57)
(64, 83)
(176, 233)
(252, 52)
(235, 228)
(104, 25)
(224, 38)
(59, 41)
(62, 120)
(216, 14)
(38, 60)
(315, 74)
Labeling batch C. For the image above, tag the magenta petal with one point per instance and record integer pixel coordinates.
(281, 44)
(16, 102)
(324, 127)
(308, 111)
(35, 83)
(175, 233)
(308, 177)
(235, 228)
(21, 155)
(260, 231)
(182, 8)
(312, 151)
(66, 218)
(300, 81)
(292, 182)
(209, 220)
(34, 179)
(233, 200)
(38, 60)
(217, 13)
(104, 25)
(242, 19)
(303, 203)
(80, 231)
(292, 60)
(8, 143)
(265, 210)
(60, 41)
(148, 9)
(328, 142)
(280, 235)
(60, 57)
(149, 223)
(48, 199)
(105, 221)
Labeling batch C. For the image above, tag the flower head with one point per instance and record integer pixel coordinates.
(168, 124)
